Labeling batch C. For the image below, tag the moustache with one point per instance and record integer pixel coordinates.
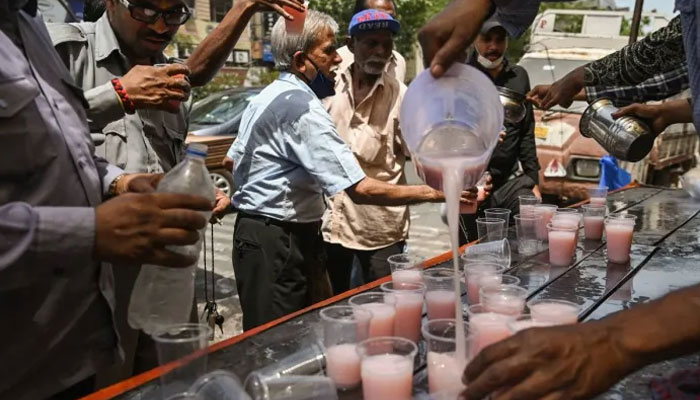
(158, 36)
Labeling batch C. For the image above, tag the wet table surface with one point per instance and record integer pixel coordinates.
(665, 257)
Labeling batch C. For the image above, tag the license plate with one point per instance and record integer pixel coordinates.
(541, 132)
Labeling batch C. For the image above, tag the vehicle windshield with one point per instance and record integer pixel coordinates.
(219, 108)
(543, 71)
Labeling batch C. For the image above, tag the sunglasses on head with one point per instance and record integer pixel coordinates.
(176, 16)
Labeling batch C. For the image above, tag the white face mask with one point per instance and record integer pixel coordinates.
(488, 64)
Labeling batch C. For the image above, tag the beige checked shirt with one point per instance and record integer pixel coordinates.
(371, 129)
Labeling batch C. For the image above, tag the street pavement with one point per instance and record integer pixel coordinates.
(427, 238)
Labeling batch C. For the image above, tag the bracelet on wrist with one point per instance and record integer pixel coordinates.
(124, 98)
(112, 191)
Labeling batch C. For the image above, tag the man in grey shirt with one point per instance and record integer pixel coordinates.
(55, 230)
(147, 131)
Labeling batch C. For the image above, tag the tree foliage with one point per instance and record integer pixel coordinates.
(412, 14)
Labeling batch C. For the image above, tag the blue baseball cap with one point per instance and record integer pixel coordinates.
(372, 20)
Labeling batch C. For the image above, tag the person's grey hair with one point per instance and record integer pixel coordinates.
(284, 45)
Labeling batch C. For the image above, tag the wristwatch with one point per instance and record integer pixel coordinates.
(112, 190)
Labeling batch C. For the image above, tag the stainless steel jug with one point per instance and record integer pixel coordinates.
(627, 138)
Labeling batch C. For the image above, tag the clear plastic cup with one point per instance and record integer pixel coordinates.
(502, 213)
(619, 231)
(453, 120)
(444, 368)
(527, 204)
(593, 221)
(503, 299)
(308, 360)
(406, 268)
(497, 252)
(487, 327)
(526, 230)
(296, 26)
(554, 312)
(567, 215)
(387, 368)
(598, 195)
(219, 385)
(546, 212)
(383, 309)
(343, 328)
(409, 308)
(475, 272)
(490, 229)
(185, 345)
(562, 244)
(292, 387)
(440, 293)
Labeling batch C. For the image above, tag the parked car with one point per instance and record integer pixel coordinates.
(214, 121)
(570, 163)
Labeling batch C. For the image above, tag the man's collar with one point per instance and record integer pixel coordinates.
(105, 39)
(295, 80)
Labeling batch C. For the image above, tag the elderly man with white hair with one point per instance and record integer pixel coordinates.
(288, 155)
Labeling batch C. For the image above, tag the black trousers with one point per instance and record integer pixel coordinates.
(279, 267)
(80, 389)
(373, 264)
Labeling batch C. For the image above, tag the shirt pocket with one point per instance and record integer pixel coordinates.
(368, 145)
(115, 147)
(26, 142)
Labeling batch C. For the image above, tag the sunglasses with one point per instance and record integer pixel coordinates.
(149, 15)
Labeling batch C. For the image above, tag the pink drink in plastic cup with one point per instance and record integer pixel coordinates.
(554, 312)
(295, 27)
(444, 372)
(343, 365)
(409, 312)
(440, 303)
(593, 227)
(488, 328)
(387, 376)
(562, 245)
(382, 322)
(546, 211)
(619, 233)
(406, 276)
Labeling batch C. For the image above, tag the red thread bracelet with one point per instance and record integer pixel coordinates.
(127, 103)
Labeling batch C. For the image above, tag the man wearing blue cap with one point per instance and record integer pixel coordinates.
(365, 111)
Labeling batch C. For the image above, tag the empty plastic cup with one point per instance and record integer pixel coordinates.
(526, 230)
(444, 368)
(439, 292)
(406, 268)
(409, 308)
(497, 252)
(387, 368)
(452, 122)
(219, 385)
(490, 229)
(502, 213)
(308, 360)
(292, 387)
(383, 309)
(185, 345)
(528, 203)
(343, 328)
